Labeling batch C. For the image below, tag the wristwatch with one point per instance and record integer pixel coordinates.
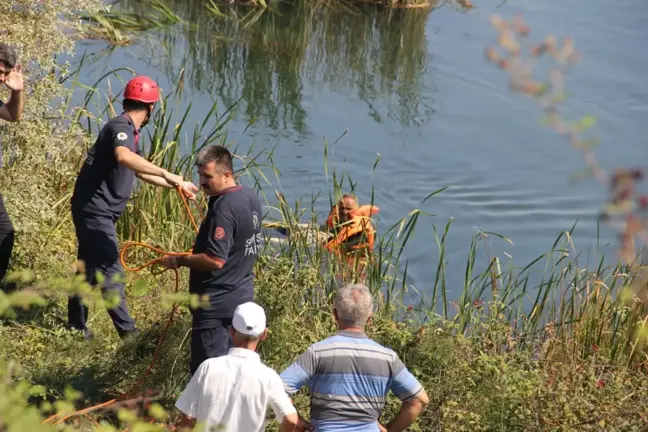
(175, 262)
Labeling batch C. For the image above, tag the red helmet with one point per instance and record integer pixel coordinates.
(142, 89)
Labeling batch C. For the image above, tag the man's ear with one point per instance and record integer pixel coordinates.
(232, 331)
(263, 335)
(370, 318)
(335, 314)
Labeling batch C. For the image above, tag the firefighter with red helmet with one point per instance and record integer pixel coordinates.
(101, 192)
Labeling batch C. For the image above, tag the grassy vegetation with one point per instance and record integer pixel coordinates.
(567, 353)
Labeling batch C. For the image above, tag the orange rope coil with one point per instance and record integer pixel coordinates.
(58, 418)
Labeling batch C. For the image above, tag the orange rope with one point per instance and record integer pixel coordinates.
(122, 259)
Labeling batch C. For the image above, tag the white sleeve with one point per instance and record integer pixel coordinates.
(188, 400)
(279, 399)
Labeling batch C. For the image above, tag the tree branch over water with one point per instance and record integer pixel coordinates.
(519, 60)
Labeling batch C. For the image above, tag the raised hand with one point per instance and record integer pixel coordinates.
(14, 80)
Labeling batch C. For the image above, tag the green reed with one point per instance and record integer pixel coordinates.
(121, 28)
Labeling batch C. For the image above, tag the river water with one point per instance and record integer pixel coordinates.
(414, 88)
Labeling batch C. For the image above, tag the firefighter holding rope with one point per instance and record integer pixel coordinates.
(102, 190)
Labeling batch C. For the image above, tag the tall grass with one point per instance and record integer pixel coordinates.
(121, 28)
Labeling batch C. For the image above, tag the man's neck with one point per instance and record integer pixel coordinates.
(137, 117)
(352, 329)
(252, 346)
(228, 186)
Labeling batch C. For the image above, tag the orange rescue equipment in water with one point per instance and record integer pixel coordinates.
(357, 233)
(333, 220)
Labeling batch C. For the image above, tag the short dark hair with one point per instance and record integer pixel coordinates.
(217, 154)
(349, 196)
(133, 105)
(7, 55)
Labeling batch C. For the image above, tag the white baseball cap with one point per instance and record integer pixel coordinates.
(249, 319)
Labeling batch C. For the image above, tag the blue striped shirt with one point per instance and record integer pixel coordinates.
(349, 376)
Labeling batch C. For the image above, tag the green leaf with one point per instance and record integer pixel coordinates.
(71, 395)
(36, 390)
(100, 277)
(588, 143)
(580, 175)
(126, 416)
(139, 288)
(46, 406)
(585, 123)
(4, 302)
(63, 407)
(157, 411)
(559, 98)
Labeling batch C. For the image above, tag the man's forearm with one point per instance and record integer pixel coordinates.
(406, 416)
(15, 104)
(140, 165)
(289, 423)
(154, 180)
(200, 261)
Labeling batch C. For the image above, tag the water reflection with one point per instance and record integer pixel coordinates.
(270, 58)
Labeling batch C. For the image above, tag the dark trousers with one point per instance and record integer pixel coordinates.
(206, 343)
(99, 252)
(6, 244)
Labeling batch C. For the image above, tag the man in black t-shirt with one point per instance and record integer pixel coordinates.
(101, 192)
(224, 253)
(10, 76)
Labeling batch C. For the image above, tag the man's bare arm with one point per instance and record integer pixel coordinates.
(12, 110)
(141, 166)
(289, 423)
(153, 180)
(200, 261)
(302, 425)
(188, 188)
(409, 411)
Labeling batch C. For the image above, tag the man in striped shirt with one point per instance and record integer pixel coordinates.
(349, 375)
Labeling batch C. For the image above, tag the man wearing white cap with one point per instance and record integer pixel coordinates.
(231, 393)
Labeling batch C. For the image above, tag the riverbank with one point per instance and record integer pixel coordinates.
(569, 354)
(478, 380)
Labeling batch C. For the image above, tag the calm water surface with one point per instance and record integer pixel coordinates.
(414, 88)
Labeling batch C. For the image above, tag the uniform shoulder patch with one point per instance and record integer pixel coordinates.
(255, 220)
(121, 136)
(219, 233)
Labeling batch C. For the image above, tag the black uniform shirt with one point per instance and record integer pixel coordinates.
(231, 234)
(104, 186)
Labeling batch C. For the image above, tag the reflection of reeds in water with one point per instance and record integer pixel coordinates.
(383, 54)
(264, 56)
